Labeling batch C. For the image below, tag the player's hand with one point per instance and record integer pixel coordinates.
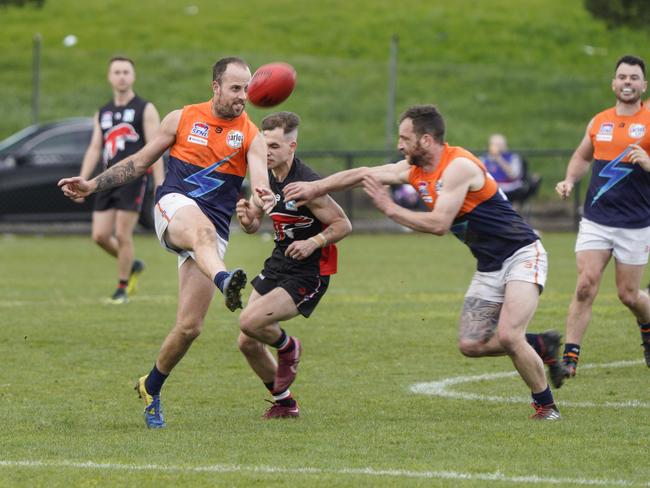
(377, 193)
(301, 192)
(300, 250)
(244, 212)
(78, 200)
(264, 199)
(639, 156)
(76, 187)
(564, 188)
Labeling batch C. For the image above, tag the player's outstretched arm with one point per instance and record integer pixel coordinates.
(259, 175)
(128, 169)
(578, 165)
(151, 126)
(329, 213)
(305, 191)
(458, 177)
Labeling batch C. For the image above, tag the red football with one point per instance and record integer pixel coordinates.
(271, 84)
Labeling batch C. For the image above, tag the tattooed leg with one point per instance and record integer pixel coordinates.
(477, 327)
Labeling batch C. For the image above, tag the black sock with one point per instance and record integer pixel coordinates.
(544, 398)
(283, 341)
(219, 278)
(645, 332)
(571, 353)
(155, 381)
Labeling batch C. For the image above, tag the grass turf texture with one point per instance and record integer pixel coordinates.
(69, 362)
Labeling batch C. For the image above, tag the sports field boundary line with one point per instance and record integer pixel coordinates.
(443, 388)
(390, 473)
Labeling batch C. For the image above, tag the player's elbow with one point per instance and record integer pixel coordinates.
(346, 227)
(439, 230)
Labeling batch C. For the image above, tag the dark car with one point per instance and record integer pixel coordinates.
(33, 160)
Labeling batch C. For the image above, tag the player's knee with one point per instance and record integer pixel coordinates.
(123, 238)
(509, 340)
(470, 348)
(102, 238)
(247, 322)
(586, 290)
(247, 345)
(189, 329)
(206, 236)
(628, 298)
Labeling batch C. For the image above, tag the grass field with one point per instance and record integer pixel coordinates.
(69, 416)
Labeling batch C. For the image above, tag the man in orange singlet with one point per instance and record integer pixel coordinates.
(616, 218)
(212, 146)
(465, 200)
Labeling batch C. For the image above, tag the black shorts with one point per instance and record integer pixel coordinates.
(306, 291)
(127, 197)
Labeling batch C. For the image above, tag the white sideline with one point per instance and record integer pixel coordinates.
(394, 473)
(443, 388)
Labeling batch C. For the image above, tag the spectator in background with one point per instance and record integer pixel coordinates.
(121, 128)
(510, 170)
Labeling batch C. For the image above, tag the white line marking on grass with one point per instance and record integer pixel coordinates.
(443, 388)
(390, 473)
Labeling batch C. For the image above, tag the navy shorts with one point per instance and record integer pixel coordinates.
(306, 291)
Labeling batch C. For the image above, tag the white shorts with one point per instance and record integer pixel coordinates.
(628, 246)
(529, 264)
(164, 212)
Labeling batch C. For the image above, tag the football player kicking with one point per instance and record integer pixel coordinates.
(297, 274)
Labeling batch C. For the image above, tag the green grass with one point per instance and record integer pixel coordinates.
(525, 68)
(536, 70)
(388, 321)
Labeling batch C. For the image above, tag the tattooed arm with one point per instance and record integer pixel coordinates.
(128, 169)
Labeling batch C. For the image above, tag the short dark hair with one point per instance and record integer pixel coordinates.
(426, 120)
(220, 67)
(121, 58)
(288, 121)
(631, 60)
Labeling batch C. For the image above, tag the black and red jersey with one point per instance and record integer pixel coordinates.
(292, 223)
(122, 129)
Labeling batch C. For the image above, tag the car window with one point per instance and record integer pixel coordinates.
(66, 143)
(14, 140)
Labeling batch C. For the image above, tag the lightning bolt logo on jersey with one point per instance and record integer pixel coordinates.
(208, 162)
(619, 191)
(204, 182)
(614, 173)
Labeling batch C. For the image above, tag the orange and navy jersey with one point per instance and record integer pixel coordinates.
(292, 223)
(208, 162)
(486, 221)
(619, 191)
